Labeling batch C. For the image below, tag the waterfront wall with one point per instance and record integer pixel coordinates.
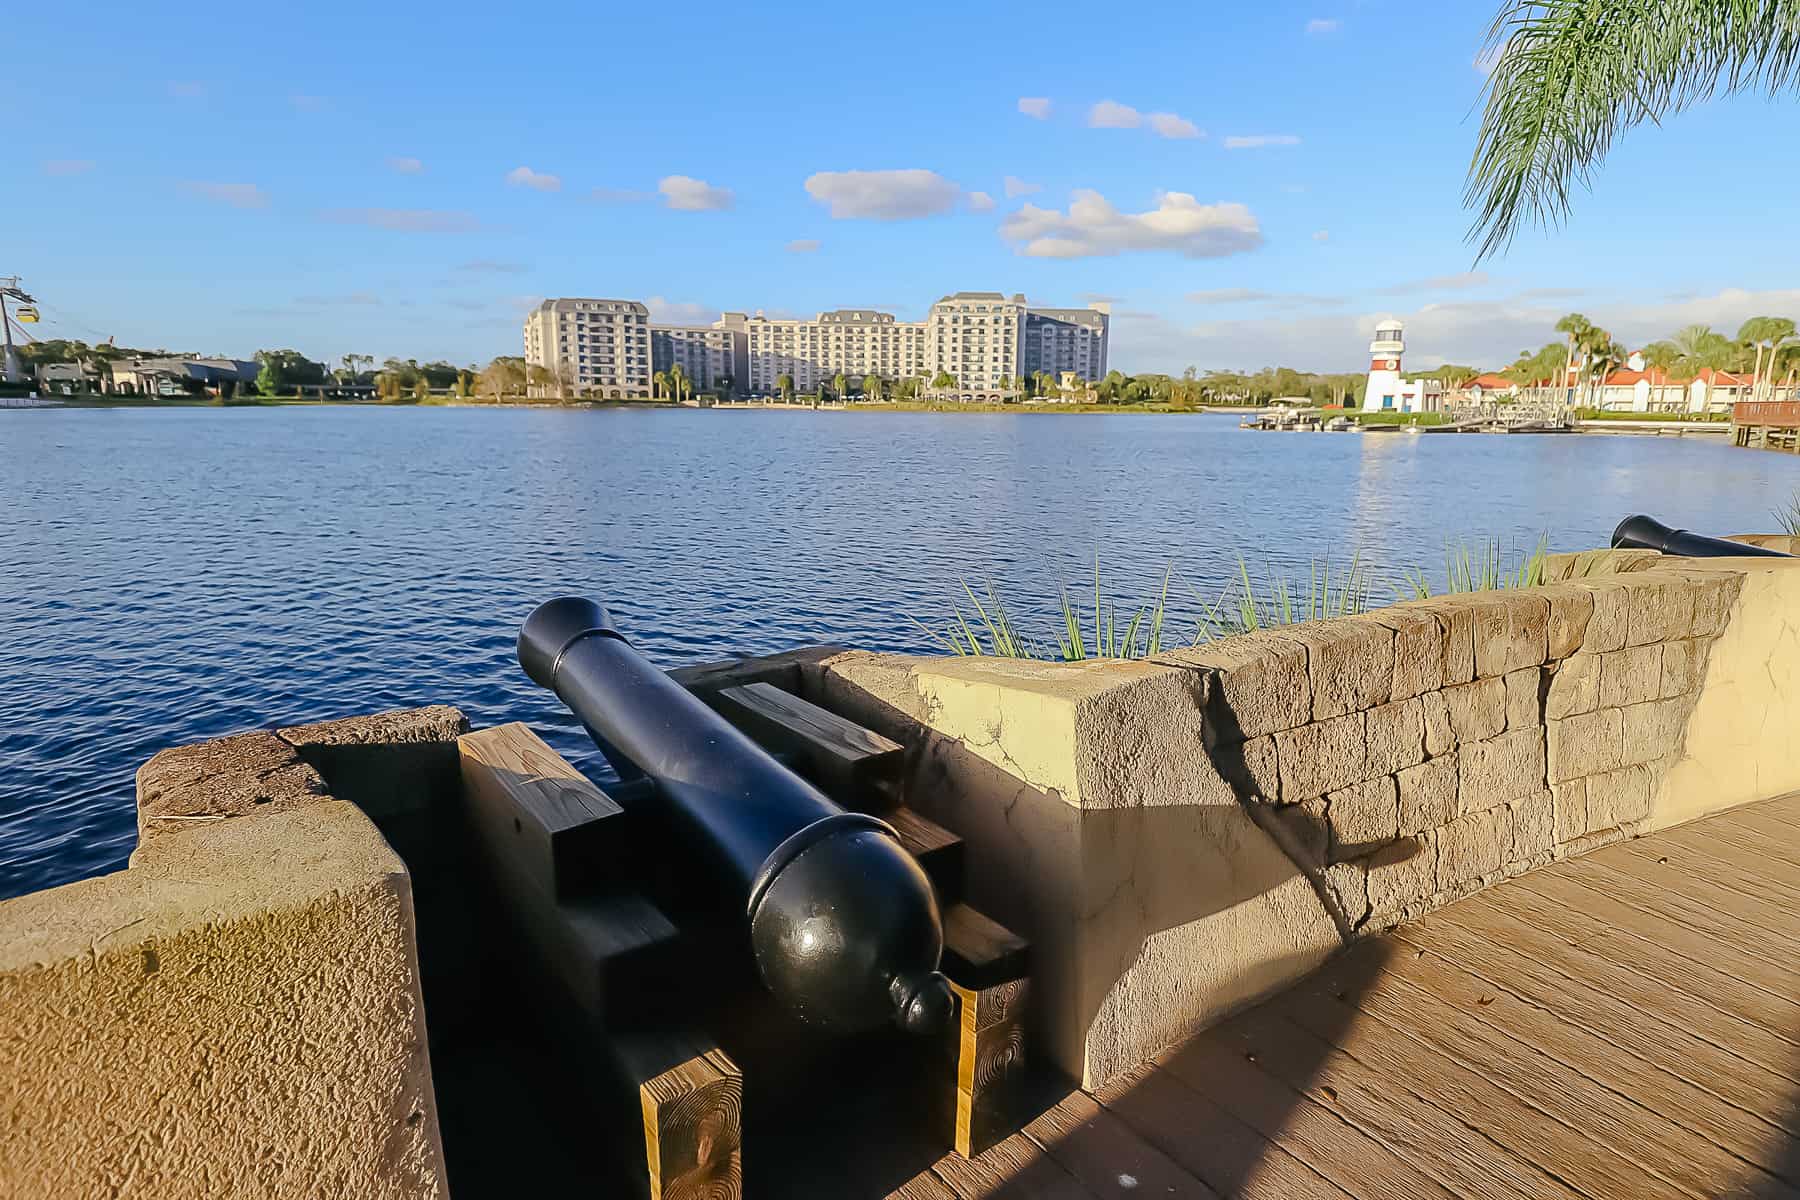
(238, 1013)
(1183, 836)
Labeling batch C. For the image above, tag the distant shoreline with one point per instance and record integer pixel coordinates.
(733, 406)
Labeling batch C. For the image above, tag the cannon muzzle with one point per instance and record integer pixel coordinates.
(843, 923)
(1647, 533)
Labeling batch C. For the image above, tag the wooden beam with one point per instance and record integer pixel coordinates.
(938, 850)
(528, 804)
(840, 753)
(986, 964)
(692, 1096)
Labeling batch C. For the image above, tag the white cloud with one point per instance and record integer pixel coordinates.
(238, 195)
(1168, 125)
(687, 194)
(1037, 107)
(1321, 235)
(1320, 25)
(1258, 140)
(1016, 187)
(1485, 62)
(404, 220)
(883, 195)
(803, 246)
(187, 90)
(68, 166)
(980, 202)
(1092, 227)
(1484, 332)
(404, 165)
(538, 181)
(679, 312)
(1110, 114)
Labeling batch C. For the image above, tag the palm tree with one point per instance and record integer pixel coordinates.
(1703, 352)
(1579, 329)
(678, 382)
(1569, 76)
(1760, 332)
(785, 385)
(659, 384)
(872, 387)
(1662, 357)
(840, 386)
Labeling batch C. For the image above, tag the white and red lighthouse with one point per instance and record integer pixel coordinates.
(1387, 390)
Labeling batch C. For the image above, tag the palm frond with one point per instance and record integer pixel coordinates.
(1569, 76)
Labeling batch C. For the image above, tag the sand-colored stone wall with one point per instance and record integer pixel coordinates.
(1182, 836)
(238, 1013)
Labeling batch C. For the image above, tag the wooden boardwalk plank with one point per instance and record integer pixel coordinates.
(1665, 859)
(1746, 1040)
(1672, 1048)
(1103, 1153)
(1599, 1140)
(1221, 1151)
(1686, 973)
(1754, 839)
(1315, 1135)
(1382, 1105)
(1699, 903)
(1772, 976)
(1015, 1169)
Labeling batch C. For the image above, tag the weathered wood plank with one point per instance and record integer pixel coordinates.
(924, 1186)
(1766, 878)
(1746, 1040)
(841, 752)
(1531, 1025)
(527, 803)
(1340, 1152)
(1693, 906)
(1014, 1169)
(1207, 1140)
(1598, 1140)
(980, 952)
(1679, 961)
(939, 851)
(1757, 969)
(1467, 1160)
(1673, 1048)
(692, 1098)
(1107, 1158)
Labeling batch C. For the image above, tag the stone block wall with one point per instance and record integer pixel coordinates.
(1429, 749)
(1130, 817)
(239, 1013)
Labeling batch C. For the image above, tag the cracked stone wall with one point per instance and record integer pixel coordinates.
(1183, 836)
(238, 1013)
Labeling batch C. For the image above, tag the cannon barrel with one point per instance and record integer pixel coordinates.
(843, 923)
(1647, 533)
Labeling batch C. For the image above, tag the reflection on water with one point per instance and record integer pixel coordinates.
(174, 574)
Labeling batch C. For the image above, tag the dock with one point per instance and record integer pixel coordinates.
(1620, 1024)
(1766, 424)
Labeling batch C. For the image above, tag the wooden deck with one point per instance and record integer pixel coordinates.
(1625, 1024)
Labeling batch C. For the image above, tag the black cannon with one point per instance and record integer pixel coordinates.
(1647, 533)
(842, 922)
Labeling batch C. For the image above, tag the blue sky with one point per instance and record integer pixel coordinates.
(1259, 184)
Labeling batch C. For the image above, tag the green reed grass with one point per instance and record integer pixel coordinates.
(1481, 567)
(1788, 517)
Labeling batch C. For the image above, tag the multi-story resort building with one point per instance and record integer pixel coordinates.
(711, 356)
(594, 347)
(983, 340)
(1066, 339)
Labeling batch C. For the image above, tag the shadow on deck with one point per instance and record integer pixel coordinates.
(1622, 1024)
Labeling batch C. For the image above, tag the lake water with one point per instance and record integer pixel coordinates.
(170, 575)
